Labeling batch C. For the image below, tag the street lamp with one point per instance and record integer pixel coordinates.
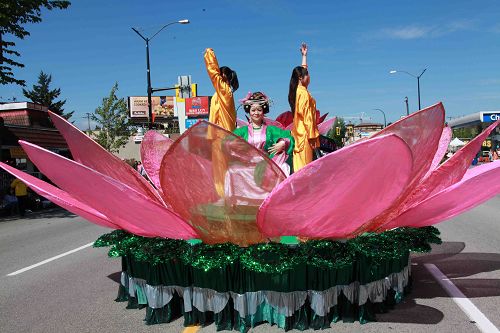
(150, 90)
(418, 81)
(385, 121)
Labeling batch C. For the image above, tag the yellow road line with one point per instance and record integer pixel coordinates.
(191, 329)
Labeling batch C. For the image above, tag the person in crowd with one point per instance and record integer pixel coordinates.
(225, 82)
(8, 204)
(277, 143)
(494, 155)
(140, 169)
(21, 192)
(303, 106)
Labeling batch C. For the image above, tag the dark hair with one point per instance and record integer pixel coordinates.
(297, 73)
(231, 76)
(257, 96)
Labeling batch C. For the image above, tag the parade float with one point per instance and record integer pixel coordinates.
(219, 235)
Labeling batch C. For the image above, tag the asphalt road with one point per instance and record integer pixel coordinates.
(75, 293)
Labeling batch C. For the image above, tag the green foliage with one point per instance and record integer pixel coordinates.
(465, 133)
(42, 94)
(14, 14)
(112, 119)
(338, 131)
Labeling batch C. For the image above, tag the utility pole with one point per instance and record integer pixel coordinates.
(88, 120)
(148, 69)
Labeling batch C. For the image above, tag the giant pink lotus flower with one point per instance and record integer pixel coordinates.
(212, 185)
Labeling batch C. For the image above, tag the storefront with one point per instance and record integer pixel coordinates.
(476, 123)
(28, 122)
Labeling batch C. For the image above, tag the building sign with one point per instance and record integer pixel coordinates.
(191, 121)
(162, 106)
(488, 117)
(197, 106)
(487, 143)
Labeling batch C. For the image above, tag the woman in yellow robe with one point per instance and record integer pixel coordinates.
(303, 106)
(225, 82)
(222, 113)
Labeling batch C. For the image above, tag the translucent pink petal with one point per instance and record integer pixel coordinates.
(61, 198)
(335, 195)
(153, 147)
(422, 132)
(241, 123)
(119, 202)
(325, 126)
(289, 127)
(442, 149)
(453, 169)
(271, 122)
(220, 182)
(450, 172)
(89, 153)
(479, 185)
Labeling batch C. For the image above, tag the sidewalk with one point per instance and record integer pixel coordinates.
(39, 214)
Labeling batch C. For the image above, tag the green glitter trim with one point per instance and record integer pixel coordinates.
(272, 257)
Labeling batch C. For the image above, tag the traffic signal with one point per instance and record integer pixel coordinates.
(337, 130)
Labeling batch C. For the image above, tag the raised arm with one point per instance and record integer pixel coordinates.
(220, 85)
(303, 51)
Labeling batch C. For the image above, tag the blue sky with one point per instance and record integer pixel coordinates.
(353, 46)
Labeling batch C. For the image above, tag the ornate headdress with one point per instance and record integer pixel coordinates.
(255, 98)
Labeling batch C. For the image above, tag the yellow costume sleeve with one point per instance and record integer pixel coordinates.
(222, 110)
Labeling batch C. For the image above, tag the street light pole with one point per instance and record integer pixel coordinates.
(385, 121)
(407, 108)
(148, 69)
(418, 82)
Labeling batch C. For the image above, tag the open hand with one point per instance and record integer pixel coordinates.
(277, 148)
(303, 49)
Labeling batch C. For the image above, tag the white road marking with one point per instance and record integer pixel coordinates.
(50, 259)
(463, 302)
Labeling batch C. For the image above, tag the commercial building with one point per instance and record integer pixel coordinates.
(29, 122)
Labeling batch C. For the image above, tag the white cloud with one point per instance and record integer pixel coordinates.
(411, 32)
(417, 31)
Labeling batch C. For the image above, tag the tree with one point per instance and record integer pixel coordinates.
(13, 15)
(112, 119)
(337, 132)
(42, 94)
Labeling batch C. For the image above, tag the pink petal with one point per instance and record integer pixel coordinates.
(444, 142)
(271, 122)
(335, 195)
(153, 147)
(453, 169)
(322, 118)
(475, 188)
(89, 153)
(220, 182)
(422, 132)
(61, 198)
(241, 123)
(325, 126)
(119, 202)
(285, 118)
(448, 173)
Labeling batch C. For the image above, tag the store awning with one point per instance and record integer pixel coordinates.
(43, 137)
